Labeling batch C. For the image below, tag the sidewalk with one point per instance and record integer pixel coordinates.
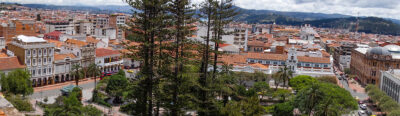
(114, 110)
(354, 85)
(60, 85)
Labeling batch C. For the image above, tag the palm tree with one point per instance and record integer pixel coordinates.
(76, 72)
(96, 71)
(277, 79)
(285, 74)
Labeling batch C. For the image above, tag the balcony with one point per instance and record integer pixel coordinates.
(113, 63)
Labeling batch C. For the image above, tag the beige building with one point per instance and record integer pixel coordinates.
(37, 54)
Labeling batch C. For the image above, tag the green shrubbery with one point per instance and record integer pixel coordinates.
(19, 102)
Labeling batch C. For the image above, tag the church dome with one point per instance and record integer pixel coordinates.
(378, 51)
(393, 48)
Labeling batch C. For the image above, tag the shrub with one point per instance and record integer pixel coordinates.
(327, 79)
(19, 103)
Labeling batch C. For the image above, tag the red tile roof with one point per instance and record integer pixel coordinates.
(63, 56)
(9, 63)
(264, 56)
(256, 43)
(76, 42)
(223, 45)
(54, 33)
(101, 52)
(313, 59)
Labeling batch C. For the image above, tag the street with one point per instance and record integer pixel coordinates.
(355, 89)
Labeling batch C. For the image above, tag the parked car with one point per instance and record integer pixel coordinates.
(363, 106)
(361, 113)
(360, 102)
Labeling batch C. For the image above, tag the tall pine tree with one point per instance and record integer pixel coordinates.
(181, 28)
(225, 12)
(147, 27)
(207, 12)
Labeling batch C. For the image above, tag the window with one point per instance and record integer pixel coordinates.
(34, 52)
(316, 65)
(252, 61)
(44, 51)
(325, 65)
(373, 73)
(275, 63)
(387, 65)
(374, 64)
(28, 62)
(28, 52)
(44, 70)
(260, 61)
(398, 66)
(49, 70)
(307, 65)
(33, 72)
(39, 52)
(50, 51)
(33, 61)
(44, 60)
(50, 60)
(39, 71)
(39, 61)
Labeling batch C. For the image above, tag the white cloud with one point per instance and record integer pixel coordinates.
(70, 2)
(378, 8)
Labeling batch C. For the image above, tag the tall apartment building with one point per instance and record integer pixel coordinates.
(12, 28)
(61, 26)
(342, 55)
(37, 54)
(117, 21)
(241, 37)
(101, 21)
(83, 27)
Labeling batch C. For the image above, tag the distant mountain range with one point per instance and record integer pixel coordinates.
(107, 9)
(366, 24)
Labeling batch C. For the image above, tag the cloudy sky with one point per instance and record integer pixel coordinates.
(379, 8)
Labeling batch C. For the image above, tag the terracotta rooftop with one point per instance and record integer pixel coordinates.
(76, 42)
(233, 59)
(313, 59)
(57, 43)
(223, 45)
(54, 33)
(256, 43)
(101, 52)
(9, 63)
(278, 57)
(63, 56)
(90, 39)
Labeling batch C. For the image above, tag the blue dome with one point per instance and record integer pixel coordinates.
(378, 51)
